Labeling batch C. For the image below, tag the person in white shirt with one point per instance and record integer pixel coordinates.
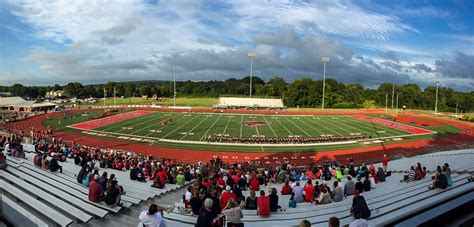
(152, 218)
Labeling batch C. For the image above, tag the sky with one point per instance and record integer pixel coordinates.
(368, 41)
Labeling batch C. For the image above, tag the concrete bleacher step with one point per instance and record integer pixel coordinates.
(36, 204)
(17, 215)
(58, 188)
(53, 200)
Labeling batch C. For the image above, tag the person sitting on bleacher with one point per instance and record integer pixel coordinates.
(337, 193)
(251, 201)
(255, 184)
(349, 187)
(87, 178)
(309, 191)
(152, 218)
(298, 193)
(324, 196)
(54, 165)
(3, 162)
(273, 200)
(103, 181)
(263, 204)
(359, 207)
(113, 195)
(45, 163)
(447, 173)
(180, 179)
(196, 202)
(227, 195)
(286, 189)
(439, 179)
(367, 184)
(37, 159)
(411, 175)
(96, 194)
(233, 214)
(81, 174)
(206, 215)
(381, 174)
(359, 185)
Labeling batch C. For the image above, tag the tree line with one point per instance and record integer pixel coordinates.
(303, 92)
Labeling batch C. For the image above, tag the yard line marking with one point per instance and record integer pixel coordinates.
(183, 116)
(180, 126)
(284, 126)
(227, 125)
(212, 126)
(270, 126)
(241, 124)
(128, 122)
(321, 126)
(299, 127)
(141, 129)
(337, 121)
(377, 127)
(204, 119)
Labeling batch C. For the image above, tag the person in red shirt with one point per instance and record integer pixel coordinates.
(254, 184)
(96, 193)
(310, 174)
(309, 190)
(226, 196)
(286, 189)
(263, 204)
(385, 162)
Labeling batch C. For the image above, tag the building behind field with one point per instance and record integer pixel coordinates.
(249, 103)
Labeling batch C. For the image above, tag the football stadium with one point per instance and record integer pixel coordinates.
(163, 113)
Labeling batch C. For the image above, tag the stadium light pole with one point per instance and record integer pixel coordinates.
(393, 94)
(386, 102)
(324, 60)
(251, 55)
(396, 108)
(436, 101)
(174, 56)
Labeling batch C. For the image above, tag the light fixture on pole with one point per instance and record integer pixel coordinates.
(324, 60)
(436, 101)
(174, 56)
(251, 55)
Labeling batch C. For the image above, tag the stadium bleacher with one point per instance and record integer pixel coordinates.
(34, 197)
(245, 103)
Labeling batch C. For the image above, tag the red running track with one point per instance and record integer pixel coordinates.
(109, 120)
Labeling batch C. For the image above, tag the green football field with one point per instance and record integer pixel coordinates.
(196, 126)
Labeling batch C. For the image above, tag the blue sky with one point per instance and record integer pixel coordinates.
(369, 42)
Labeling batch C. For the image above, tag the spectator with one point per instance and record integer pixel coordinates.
(103, 181)
(152, 218)
(226, 196)
(114, 194)
(3, 161)
(273, 200)
(334, 222)
(309, 191)
(323, 197)
(304, 223)
(233, 214)
(96, 194)
(255, 184)
(45, 163)
(359, 185)
(381, 174)
(188, 195)
(292, 202)
(439, 180)
(367, 185)
(349, 187)
(54, 165)
(263, 203)
(447, 173)
(359, 206)
(87, 179)
(251, 201)
(337, 193)
(423, 172)
(298, 193)
(180, 179)
(81, 174)
(205, 214)
(359, 222)
(410, 176)
(286, 189)
(196, 202)
(385, 161)
(37, 159)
